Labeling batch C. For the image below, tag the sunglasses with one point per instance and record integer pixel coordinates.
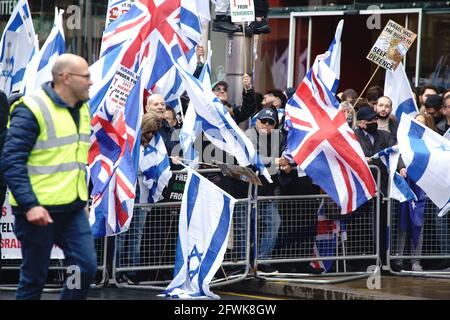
(218, 89)
(270, 122)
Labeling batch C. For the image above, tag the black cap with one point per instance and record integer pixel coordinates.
(267, 113)
(433, 101)
(366, 113)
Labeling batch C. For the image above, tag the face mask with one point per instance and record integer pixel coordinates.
(372, 127)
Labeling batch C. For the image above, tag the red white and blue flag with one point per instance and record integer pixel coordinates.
(127, 66)
(320, 140)
(328, 232)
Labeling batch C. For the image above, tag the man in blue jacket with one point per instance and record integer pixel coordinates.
(44, 162)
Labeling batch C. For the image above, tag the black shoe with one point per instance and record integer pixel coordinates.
(224, 24)
(397, 266)
(266, 268)
(258, 27)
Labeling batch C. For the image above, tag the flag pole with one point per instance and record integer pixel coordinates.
(245, 54)
(368, 82)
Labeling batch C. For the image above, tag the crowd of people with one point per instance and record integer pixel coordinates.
(375, 128)
(30, 174)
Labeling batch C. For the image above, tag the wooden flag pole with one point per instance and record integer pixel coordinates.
(368, 82)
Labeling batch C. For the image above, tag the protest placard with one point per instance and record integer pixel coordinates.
(391, 46)
(242, 10)
(116, 8)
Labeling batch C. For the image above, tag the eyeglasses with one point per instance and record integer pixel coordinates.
(270, 122)
(86, 76)
(218, 89)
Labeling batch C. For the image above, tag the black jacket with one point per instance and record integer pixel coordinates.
(442, 127)
(243, 112)
(4, 113)
(382, 140)
(20, 140)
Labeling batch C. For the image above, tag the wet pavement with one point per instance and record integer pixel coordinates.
(390, 288)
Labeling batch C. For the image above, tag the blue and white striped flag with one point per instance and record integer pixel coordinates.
(218, 125)
(155, 167)
(192, 127)
(330, 69)
(18, 46)
(399, 188)
(39, 70)
(396, 87)
(427, 158)
(205, 220)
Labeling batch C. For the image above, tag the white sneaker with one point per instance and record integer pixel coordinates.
(416, 267)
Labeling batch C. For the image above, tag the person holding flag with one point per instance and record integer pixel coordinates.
(154, 175)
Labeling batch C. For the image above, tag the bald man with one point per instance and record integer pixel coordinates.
(156, 103)
(44, 161)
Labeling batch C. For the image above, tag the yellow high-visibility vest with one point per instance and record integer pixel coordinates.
(57, 163)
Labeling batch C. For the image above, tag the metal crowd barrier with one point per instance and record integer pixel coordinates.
(354, 250)
(58, 278)
(427, 246)
(158, 236)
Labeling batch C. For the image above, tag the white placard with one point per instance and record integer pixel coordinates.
(10, 245)
(242, 10)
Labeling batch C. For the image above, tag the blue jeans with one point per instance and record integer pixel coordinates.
(269, 222)
(72, 233)
(130, 256)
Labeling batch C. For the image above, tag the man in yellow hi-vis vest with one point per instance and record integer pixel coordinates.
(44, 165)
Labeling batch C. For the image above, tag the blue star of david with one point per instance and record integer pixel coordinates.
(194, 254)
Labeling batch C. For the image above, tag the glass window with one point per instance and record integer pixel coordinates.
(272, 61)
(435, 53)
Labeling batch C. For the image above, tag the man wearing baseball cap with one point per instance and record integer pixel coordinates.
(244, 111)
(268, 143)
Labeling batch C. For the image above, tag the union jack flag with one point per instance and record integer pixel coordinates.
(112, 159)
(320, 140)
(327, 234)
(113, 155)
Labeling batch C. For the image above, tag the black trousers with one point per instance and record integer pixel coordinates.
(261, 8)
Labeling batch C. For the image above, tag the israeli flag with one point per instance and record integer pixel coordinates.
(205, 220)
(396, 87)
(39, 70)
(330, 64)
(18, 46)
(218, 125)
(427, 158)
(399, 188)
(192, 127)
(155, 167)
